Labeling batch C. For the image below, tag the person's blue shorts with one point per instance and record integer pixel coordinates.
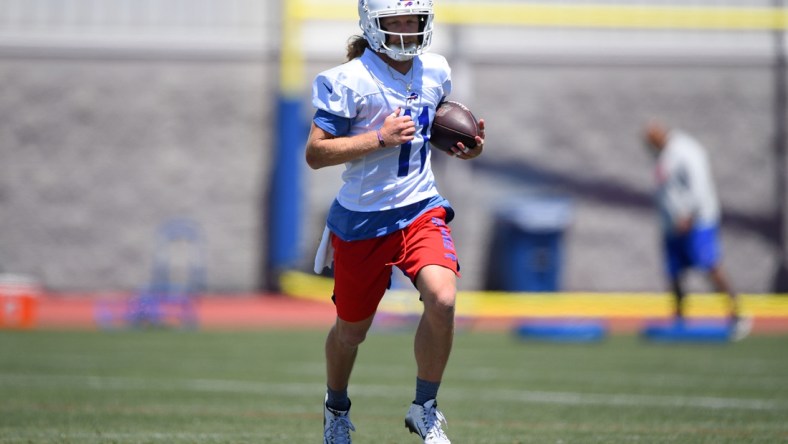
(699, 248)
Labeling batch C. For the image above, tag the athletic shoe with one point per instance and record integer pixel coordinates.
(336, 426)
(425, 421)
(742, 325)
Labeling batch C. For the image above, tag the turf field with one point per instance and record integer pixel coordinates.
(267, 387)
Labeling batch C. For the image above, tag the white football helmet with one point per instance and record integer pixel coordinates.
(371, 11)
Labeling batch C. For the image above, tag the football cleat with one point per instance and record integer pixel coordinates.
(741, 326)
(425, 421)
(336, 426)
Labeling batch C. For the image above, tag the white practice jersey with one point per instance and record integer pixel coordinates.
(685, 183)
(365, 90)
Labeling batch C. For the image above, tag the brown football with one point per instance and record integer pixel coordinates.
(453, 123)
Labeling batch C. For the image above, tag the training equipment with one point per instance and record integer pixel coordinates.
(425, 421)
(691, 330)
(453, 123)
(178, 277)
(562, 330)
(371, 11)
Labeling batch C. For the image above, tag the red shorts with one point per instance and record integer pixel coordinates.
(362, 269)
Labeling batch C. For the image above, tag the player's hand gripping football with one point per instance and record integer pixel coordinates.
(463, 152)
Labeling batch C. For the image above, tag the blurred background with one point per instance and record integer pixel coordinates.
(117, 116)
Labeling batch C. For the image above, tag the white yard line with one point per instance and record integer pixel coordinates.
(370, 390)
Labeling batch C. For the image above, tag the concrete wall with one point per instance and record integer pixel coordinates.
(96, 154)
(577, 129)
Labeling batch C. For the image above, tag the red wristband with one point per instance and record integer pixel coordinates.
(380, 139)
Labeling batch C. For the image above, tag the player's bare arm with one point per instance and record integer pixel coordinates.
(324, 149)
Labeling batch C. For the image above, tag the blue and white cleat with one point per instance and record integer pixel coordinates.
(336, 426)
(425, 421)
(741, 326)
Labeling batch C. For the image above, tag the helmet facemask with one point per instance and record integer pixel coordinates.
(393, 43)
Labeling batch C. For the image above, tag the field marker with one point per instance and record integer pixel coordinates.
(373, 390)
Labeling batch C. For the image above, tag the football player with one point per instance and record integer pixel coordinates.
(690, 214)
(373, 115)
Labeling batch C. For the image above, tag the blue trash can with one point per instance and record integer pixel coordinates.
(526, 246)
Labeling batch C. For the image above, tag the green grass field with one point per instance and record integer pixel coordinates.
(267, 387)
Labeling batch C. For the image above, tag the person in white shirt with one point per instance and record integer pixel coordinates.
(374, 114)
(690, 212)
